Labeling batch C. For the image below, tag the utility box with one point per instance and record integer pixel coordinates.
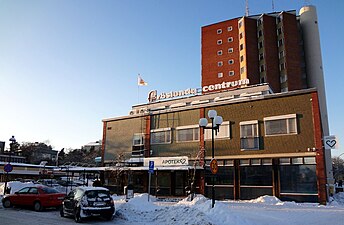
(129, 192)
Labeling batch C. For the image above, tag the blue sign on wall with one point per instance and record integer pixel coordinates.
(151, 167)
(8, 168)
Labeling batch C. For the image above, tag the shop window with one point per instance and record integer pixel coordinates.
(266, 161)
(161, 136)
(244, 162)
(280, 125)
(187, 133)
(296, 161)
(309, 160)
(249, 139)
(222, 133)
(298, 179)
(284, 161)
(256, 175)
(255, 162)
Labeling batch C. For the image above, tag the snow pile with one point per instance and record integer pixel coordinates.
(266, 199)
(337, 200)
(15, 186)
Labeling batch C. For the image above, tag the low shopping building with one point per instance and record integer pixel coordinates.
(268, 144)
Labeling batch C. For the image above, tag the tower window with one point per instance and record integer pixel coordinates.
(219, 63)
(219, 42)
(219, 31)
(219, 75)
(230, 28)
(231, 73)
(219, 52)
(230, 39)
(231, 61)
(230, 50)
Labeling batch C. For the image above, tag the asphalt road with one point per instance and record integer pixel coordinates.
(22, 216)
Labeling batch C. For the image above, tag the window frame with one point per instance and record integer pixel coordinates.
(282, 117)
(207, 132)
(255, 133)
(167, 129)
(188, 127)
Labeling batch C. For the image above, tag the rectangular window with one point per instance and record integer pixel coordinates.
(230, 39)
(260, 45)
(260, 33)
(297, 160)
(231, 61)
(138, 144)
(282, 66)
(262, 68)
(242, 70)
(244, 162)
(231, 73)
(284, 161)
(219, 52)
(280, 125)
(223, 132)
(261, 56)
(161, 136)
(219, 42)
(187, 133)
(241, 35)
(230, 50)
(219, 31)
(219, 64)
(279, 31)
(281, 54)
(309, 160)
(241, 58)
(240, 23)
(249, 138)
(219, 75)
(283, 78)
(280, 42)
(230, 28)
(241, 47)
(255, 162)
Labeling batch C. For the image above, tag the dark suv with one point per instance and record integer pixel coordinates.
(88, 201)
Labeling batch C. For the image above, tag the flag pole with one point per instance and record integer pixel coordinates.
(138, 89)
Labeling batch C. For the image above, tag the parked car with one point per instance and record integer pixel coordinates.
(39, 197)
(84, 202)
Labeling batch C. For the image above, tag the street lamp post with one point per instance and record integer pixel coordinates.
(13, 141)
(216, 121)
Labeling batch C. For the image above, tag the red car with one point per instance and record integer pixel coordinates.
(37, 196)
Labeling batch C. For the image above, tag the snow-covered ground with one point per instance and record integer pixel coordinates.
(265, 210)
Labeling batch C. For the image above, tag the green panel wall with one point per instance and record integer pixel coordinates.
(257, 110)
(119, 137)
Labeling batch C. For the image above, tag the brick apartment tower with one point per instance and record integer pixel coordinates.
(263, 48)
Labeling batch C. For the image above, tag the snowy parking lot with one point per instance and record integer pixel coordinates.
(266, 210)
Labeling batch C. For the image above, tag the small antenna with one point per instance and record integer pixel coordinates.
(247, 13)
(273, 6)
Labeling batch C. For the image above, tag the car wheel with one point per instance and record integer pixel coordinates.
(62, 212)
(77, 216)
(7, 203)
(37, 206)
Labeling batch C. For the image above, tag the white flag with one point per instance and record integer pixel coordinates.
(140, 81)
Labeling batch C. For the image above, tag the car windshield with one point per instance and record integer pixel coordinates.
(97, 193)
(49, 190)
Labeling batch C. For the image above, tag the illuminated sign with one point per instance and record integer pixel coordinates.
(153, 95)
(225, 85)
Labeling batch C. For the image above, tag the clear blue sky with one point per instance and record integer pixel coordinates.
(67, 64)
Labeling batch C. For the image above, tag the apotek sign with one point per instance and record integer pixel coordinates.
(167, 161)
